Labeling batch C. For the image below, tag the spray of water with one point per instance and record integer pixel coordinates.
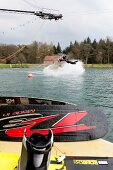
(65, 69)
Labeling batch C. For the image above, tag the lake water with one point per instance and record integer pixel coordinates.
(70, 83)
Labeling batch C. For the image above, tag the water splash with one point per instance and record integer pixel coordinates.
(65, 69)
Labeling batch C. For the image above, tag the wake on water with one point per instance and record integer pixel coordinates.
(65, 69)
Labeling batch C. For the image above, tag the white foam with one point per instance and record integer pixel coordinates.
(65, 69)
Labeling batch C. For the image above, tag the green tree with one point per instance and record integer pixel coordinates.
(94, 44)
(101, 52)
(58, 48)
(74, 51)
(86, 50)
(109, 50)
(88, 41)
(54, 49)
(32, 53)
(66, 50)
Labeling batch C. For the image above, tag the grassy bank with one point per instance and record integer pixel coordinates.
(98, 65)
(40, 65)
(20, 66)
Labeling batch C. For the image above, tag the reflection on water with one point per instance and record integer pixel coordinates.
(94, 87)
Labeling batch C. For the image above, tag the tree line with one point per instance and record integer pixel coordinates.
(90, 52)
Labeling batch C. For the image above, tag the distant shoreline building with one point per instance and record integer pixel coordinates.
(51, 59)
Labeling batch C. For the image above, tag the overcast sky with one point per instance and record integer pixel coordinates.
(81, 18)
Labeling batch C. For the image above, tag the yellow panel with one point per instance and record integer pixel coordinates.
(54, 165)
(8, 161)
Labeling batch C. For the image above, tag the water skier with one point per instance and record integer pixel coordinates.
(64, 58)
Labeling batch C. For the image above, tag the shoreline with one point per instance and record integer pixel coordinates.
(20, 66)
(98, 65)
(43, 65)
